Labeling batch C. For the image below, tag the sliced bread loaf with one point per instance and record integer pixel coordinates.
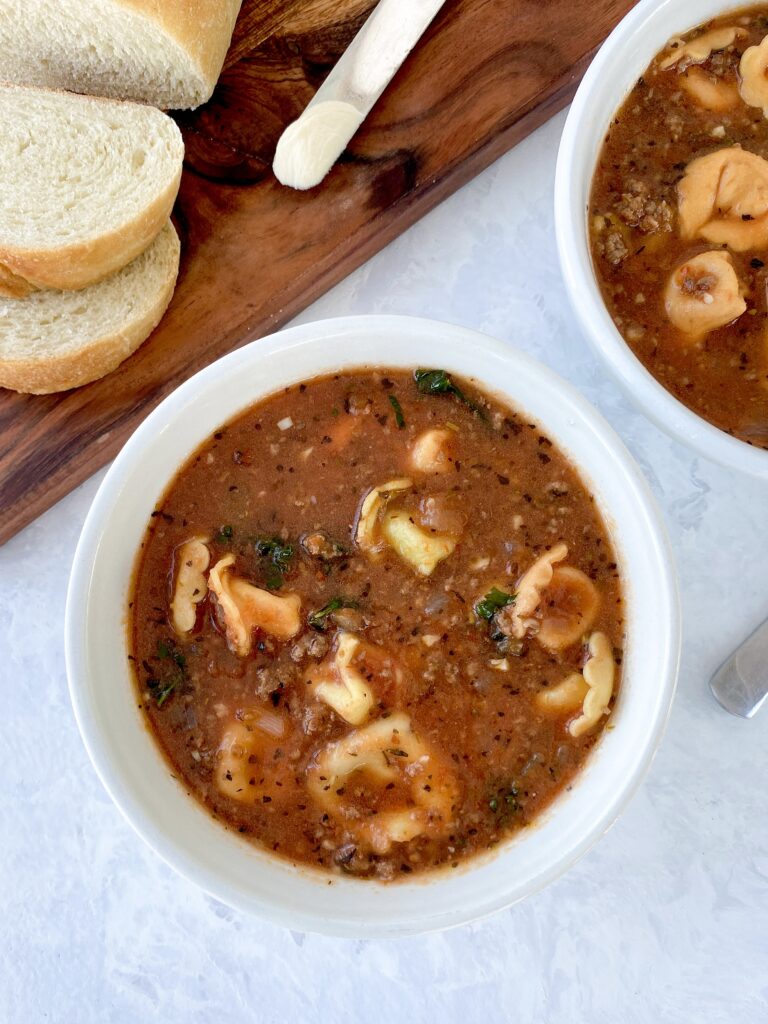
(55, 340)
(165, 52)
(87, 186)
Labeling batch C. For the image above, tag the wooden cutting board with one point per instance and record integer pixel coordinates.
(254, 254)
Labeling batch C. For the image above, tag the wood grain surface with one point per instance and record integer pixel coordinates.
(254, 253)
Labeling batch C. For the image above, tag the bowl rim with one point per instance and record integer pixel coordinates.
(580, 145)
(89, 549)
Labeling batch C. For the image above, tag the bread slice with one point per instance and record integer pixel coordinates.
(55, 340)
(87, 184)
(165, 52)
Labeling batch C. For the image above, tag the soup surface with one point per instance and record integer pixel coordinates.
(679, 221)
(377, 623)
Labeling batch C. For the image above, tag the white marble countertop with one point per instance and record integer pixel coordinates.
(666, 921)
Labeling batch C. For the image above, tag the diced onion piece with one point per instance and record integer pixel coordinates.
(480, 563)
(571, 608)
(386, 751)
(192, 558)
(341, 686)
(432, 451)
(532, 585)
(421, 550)
(599, 674)
(367, 533)
(271, 723)
(246, 607)
(566, 697)
(285, 424)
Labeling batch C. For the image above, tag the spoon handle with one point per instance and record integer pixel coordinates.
(741, 684)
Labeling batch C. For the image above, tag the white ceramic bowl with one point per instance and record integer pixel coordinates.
(124, 753)
(622, 59)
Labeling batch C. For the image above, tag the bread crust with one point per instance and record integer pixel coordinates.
(73, 267)
(97, 357)
(202, 27)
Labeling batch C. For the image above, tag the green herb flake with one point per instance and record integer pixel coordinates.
(438, 382)
(279, 555)
(162, 695)
(225, 535)
(163, 649)
(396, 752)
(493, 602)
(399, 418)
(504, 804)
(317, 620)
(172, 676)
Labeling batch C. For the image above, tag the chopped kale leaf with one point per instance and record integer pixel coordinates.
(399, 418)
(493, 602)
(438, 382)
(318, 619)
(278, 555)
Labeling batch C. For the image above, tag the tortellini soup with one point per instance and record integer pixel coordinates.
(679, 221)
(377, 623)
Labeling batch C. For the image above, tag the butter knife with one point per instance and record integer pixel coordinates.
(312, 144)
(741, 683)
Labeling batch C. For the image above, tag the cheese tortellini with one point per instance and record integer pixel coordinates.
(566, 697)
(193, 559)
(723, 198)
(599, 674)
(530, 589)
(697, 50)
(571, 608)
(245, 607)
(588, 691)
(709, 91)
(379, 526)
(341, 685)
(368, 533)
(420, 548)
(246, 742)
(703, 294)
(555, 603)
(753, 73)
(433, 451)
(415, 790)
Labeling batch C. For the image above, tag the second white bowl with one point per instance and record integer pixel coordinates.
(622, 59)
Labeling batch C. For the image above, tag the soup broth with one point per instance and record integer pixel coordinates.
(376, 623)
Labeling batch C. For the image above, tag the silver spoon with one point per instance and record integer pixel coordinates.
(741, 683)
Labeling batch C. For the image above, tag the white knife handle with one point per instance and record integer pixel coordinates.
(310, 146)
(376, 53)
